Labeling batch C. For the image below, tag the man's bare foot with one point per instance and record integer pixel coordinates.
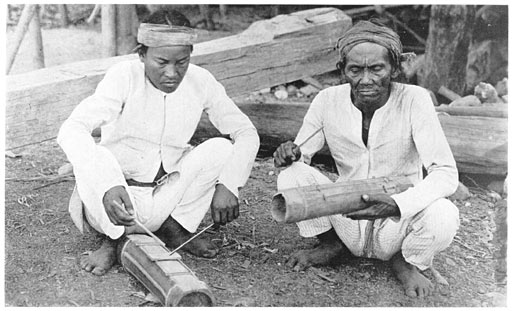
(330, 248)
(173, 234)
(415, 283)
(102, 259)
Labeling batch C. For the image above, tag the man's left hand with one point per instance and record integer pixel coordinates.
(377, 206)
(224, 206)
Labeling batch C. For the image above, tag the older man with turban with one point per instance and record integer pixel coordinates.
(376, 127)
(144, 167)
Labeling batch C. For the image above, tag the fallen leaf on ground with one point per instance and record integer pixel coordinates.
(218, 287)
(438, 277)
(243, 302)
(246, 264)
(151, 298)
(248, 244)
(450, 262)
(140, 295)
(11, 154)
(273, 251)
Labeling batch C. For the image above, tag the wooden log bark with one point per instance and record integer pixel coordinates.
(487, 110)
(451, 95)
(479, 144)
(271, 52)
(446, 52)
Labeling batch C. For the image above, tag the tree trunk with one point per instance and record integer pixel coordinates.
(223, 11)
(108, 29)
(63, 12)
(126, 37)
(447, 47)
(36, 41)
(21, 30)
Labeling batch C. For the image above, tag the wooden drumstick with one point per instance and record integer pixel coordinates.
(309, 137)
(195, 236)
(160, 241)
(151, 234)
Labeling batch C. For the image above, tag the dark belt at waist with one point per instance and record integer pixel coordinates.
(135, 183)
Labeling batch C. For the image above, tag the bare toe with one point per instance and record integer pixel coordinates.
(210, 253)
(98, 271)
(411, 292)
(101, 260)
(415, 283)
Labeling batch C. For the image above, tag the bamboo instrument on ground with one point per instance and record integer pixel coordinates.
(165, 275)
(302, 203)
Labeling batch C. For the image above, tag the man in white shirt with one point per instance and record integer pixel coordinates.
(144, 168)
(374, 128)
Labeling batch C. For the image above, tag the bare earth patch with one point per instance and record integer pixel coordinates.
(43, 247)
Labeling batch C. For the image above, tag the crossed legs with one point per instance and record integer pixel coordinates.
(410, 244)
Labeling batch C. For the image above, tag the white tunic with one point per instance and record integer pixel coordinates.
(404, 134)
(143, 127)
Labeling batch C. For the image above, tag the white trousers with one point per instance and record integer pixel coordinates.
(419, 237)
(186, 196)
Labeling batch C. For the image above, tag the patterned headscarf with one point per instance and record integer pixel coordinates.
(365, 31)
(156, 35)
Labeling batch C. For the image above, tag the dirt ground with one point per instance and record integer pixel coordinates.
(42, 246)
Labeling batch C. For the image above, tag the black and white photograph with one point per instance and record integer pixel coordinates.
(292, 154)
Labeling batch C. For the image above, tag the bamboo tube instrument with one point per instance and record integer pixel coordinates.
(302, 203)
(162, 273)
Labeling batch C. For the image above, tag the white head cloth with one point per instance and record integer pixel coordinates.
(156, 35)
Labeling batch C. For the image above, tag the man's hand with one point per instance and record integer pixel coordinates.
(224, 206)
(286, 153)
(377, 206)
(116, 213)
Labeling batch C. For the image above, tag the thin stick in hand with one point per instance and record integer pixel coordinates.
(309, 137)
(144, 228)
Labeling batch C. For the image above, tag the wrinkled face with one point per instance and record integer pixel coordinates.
(166, 66)
(369, 72)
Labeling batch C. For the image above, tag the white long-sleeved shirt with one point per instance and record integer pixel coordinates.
(143, 127)
(404, 134)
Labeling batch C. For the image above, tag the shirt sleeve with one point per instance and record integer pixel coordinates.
(94, 165)
(230, 120)
(436, 156)
(313, 121)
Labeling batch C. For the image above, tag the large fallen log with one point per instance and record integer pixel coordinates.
(479, 144)
(270, 52)
(486, 110)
